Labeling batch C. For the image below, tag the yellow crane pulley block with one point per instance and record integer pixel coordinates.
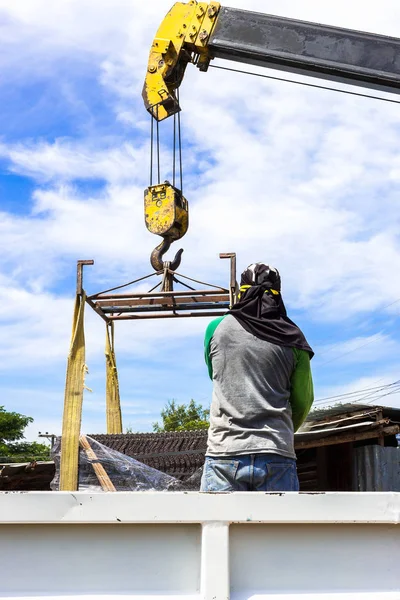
(166, 211)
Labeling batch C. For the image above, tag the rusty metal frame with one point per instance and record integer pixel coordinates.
(208, 301)
(332, 440)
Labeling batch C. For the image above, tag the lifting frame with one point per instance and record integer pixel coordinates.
(211, 301)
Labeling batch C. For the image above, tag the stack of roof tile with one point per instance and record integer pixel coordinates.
(178, 453)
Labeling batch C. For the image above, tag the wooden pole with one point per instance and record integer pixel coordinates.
(104, 480)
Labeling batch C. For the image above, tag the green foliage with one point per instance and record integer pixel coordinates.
(130, 430)
(182, 417)
(24, 452)
(12, 427)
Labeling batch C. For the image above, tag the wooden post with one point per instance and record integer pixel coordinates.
(104, 480)
(381, 438)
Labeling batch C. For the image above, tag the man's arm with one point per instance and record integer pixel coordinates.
(207, 340)
(301, 388)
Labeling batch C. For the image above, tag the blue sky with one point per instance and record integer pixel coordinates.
(304, 179)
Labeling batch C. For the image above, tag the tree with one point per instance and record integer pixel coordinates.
(182, 417)
(12, 426)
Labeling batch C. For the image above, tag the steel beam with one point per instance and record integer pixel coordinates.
(157, 295)
(170, 315)
(166, 302)
(146, 308)
(353, 57)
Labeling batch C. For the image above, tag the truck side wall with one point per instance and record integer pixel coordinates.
(191, 545)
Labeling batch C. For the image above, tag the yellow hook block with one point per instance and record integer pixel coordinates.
(166, 211)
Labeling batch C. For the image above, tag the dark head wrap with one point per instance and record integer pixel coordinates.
(261, 311)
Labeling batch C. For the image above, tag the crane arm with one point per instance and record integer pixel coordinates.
(197, 32)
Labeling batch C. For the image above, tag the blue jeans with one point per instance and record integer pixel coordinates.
(250, 472)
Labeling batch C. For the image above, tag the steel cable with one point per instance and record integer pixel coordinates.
(304, 83)
(151, 147)
(158, 147)
(180, 143)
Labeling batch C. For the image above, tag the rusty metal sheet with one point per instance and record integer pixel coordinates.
(376, 469)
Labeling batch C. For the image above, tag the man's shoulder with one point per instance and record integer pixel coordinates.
(212, 326)
(302, 357)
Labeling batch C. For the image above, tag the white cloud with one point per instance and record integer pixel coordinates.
(36, 332)
(361, 350)
(253, 200)
(305, 179)
(65, 160)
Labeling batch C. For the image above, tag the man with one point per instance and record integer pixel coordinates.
(259, 362)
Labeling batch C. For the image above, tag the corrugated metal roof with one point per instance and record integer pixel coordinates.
(319, 414)
(316, 434)
(376, 469)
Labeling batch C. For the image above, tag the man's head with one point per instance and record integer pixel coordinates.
(261, 274)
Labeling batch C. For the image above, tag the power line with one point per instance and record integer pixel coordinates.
(394, 388)
(388, 305)
(312, 85)
(383, 396)
(374, 312)
(371, 314)
(373, 390)
(321, 87)
(376, 337)
(356, 392)
(371, 341)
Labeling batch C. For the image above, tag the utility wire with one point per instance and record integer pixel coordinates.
(392, 387)
(358, 392)
(362, 401)
(373, 395)
(374, 312)
(394, 390)
(376, 398)
(371, 341)
(389, 305)
(375, 338)
(312, 85)
(377, 389)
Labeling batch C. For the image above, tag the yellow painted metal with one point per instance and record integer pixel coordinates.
(166, 211)
(113, 402)
(181, 38)
(73, 398)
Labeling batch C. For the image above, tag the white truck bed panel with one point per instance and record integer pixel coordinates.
(78, 546)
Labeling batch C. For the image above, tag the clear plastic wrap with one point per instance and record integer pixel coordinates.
(121, 472)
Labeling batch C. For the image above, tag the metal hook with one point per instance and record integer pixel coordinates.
(156, 258)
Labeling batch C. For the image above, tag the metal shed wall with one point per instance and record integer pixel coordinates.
(376, 469)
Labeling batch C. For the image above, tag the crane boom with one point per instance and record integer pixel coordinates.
(333, 53)
(197, 32)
